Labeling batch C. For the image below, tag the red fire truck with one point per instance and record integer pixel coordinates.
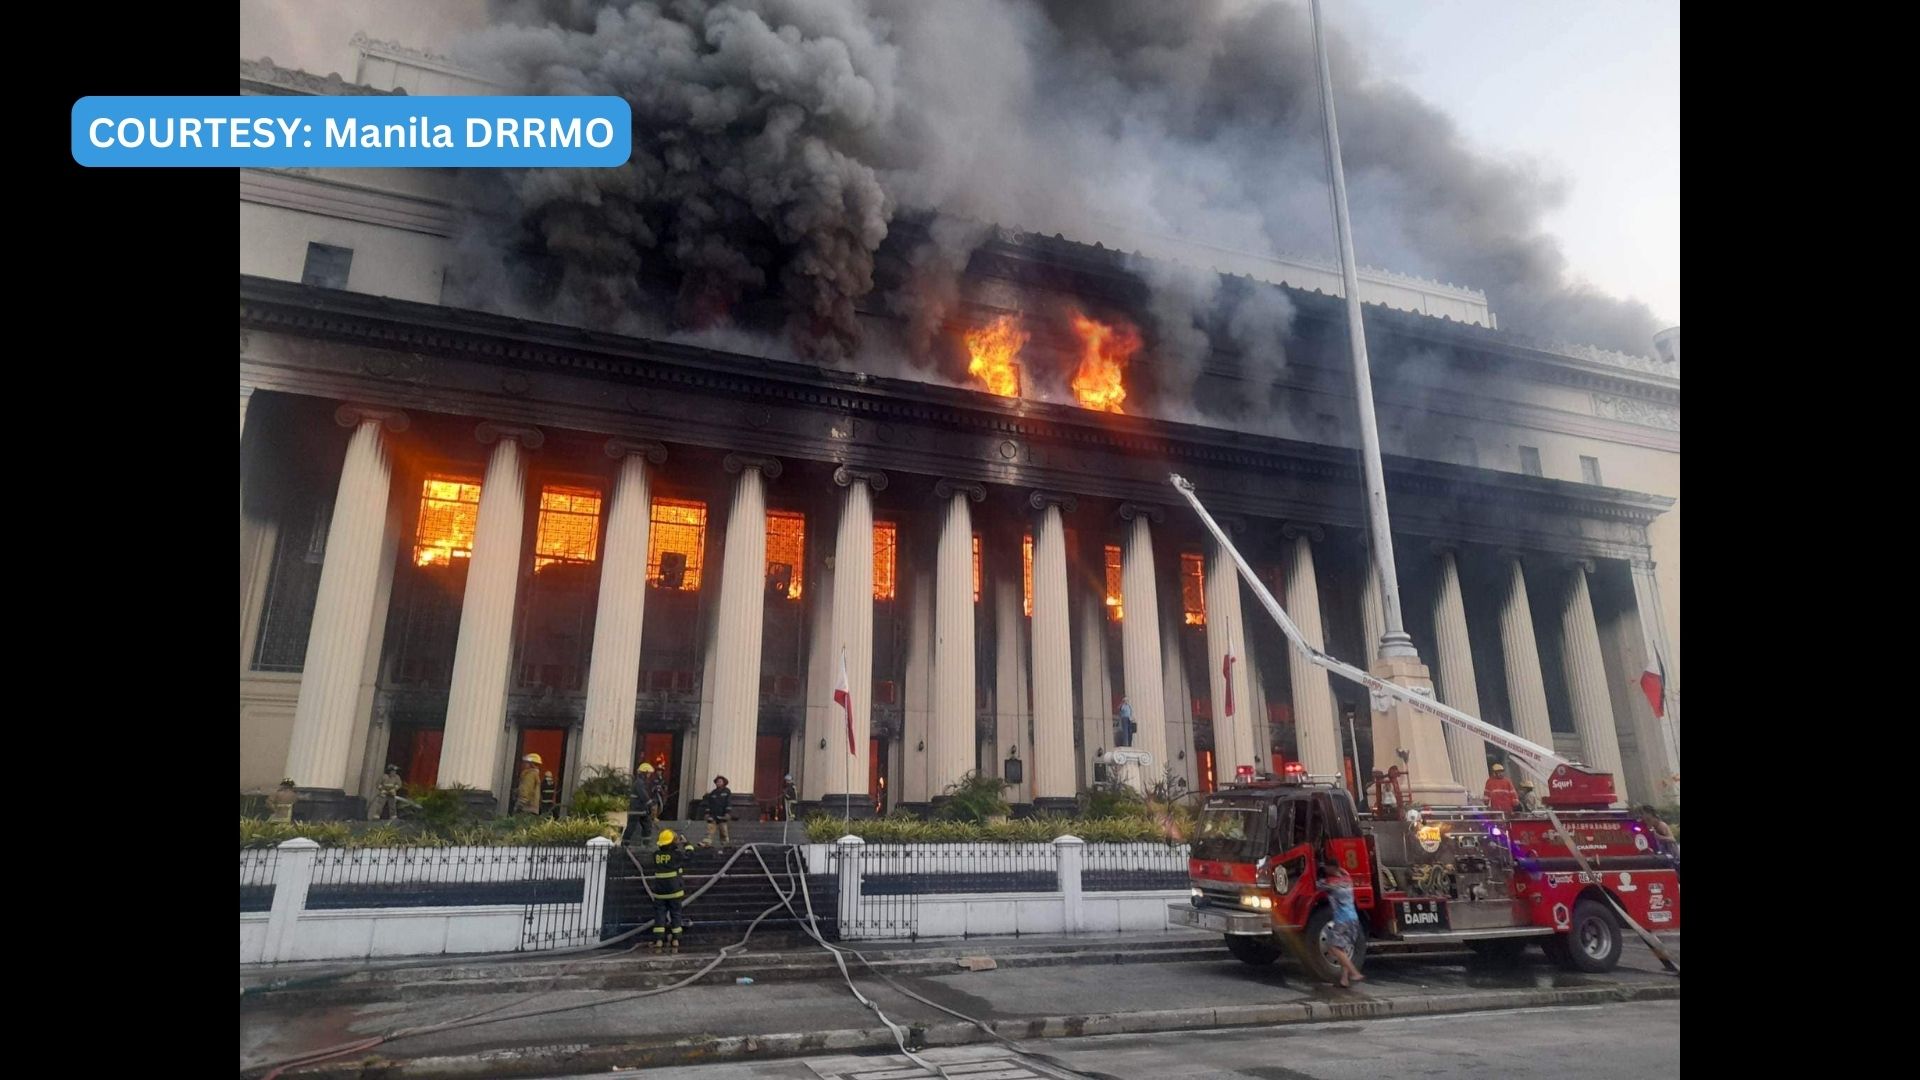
(1494, 882)
(1570, 874)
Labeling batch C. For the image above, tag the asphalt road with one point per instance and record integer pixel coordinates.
(1641, 1040)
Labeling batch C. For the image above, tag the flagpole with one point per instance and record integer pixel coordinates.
(846, 804)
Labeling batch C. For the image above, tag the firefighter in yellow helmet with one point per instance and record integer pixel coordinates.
(668, 885)
(643, 805)
(526, 790)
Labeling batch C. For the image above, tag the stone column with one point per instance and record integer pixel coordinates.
(1182, 754)
(950, 743)
(1526, 689)
(729, 738)
(1653, 642)
(853, 638)
(1587, 678)
(1053, 760)
(911, 787)
(477, 699)
(825, 750)
(323, 718)
(1233, 743)
(1373, 622)
(1316, 723)
(1454, 667)
(1012, 712)
(613, 675)
(1053, 658)
(1094, 705)
(246, 393)
(1140, 641)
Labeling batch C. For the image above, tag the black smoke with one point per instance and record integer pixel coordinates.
(776, 141)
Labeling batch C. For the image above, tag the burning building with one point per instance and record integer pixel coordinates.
(467, 535)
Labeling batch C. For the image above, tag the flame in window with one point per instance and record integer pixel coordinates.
(1114, 609)
(886, 542)
(786, 549)
(1104, 351)
(976, 568)
(678, 535)
(1193, 588)
(1026, 569)
(569, 526)
(991, 352)
(449, 512)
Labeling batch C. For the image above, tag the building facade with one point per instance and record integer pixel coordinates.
(466, 536)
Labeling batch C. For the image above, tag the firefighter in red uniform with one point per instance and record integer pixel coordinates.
(1499, 792)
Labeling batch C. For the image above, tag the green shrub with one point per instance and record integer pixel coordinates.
(978, 797)
(442, 808)
(825, 829)
(1115, 801)
(546, 832)
(257, 834)
(605, 780)
(595, 806)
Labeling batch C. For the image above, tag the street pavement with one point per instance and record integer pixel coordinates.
(1638, 1039)
(527, 1020)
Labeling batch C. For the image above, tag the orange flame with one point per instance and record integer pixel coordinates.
(993, 349)
(1104, 352)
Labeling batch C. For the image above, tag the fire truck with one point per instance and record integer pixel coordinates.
(1570, 874)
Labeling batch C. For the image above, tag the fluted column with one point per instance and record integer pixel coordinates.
(246, 393)
(729, 738)
(1183, 755)
(950, 744)
(1587, 678)
(1053, 760)
(1094, 705)
(1316, 723)
(1140, 641)
(613, 675)
(1233, 744)
(853, 635)
(1373, 623)
(910, 784)
(1012, 714)
(343, 609)
(1454, 669)
(477, 699)
(1526, 687)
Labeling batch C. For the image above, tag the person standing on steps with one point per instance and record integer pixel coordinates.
(718, 806)
(643, 805)
(668, 885)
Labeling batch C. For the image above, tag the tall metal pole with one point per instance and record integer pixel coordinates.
(1395, 641)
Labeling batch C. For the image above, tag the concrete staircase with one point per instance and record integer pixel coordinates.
(722, 914)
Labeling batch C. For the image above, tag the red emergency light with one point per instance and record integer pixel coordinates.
(1295, 768)
(1243, 774)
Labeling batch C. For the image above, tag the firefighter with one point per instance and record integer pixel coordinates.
(668, 887)
(789, 796)
(1529, 801)
(526, 791)
(1499, 793)
(718, 805)
(386, 802)
(549, 796)
(282, 801)
(642, 806)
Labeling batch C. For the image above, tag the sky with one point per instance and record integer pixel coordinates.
(1585, 90)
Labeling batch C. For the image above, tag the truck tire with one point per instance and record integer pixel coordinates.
(1258, 951)
(1500, 952)
(1314, 955)
(1594, 942)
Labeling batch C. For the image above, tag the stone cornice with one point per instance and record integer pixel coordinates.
(1039, 437)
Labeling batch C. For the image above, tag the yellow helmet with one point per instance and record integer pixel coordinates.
(533, 759)
(645, 767)
(666, 837)
(1497, 767)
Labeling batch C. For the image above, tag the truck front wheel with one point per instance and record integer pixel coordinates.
(1593, 943)
(1315, 955)
(1252, 950)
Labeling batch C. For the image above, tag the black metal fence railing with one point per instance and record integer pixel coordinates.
(257, 868)
(1134, 866)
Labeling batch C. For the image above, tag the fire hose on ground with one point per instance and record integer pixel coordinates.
(808, 922)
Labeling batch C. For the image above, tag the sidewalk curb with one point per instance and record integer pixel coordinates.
(551, 1059)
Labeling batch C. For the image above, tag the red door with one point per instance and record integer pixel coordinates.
(769, 772)
(551, 745)
(417, 751)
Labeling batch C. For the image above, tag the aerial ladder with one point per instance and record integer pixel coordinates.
(1538, 760)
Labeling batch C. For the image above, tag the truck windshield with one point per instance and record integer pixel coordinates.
(1231, 834)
